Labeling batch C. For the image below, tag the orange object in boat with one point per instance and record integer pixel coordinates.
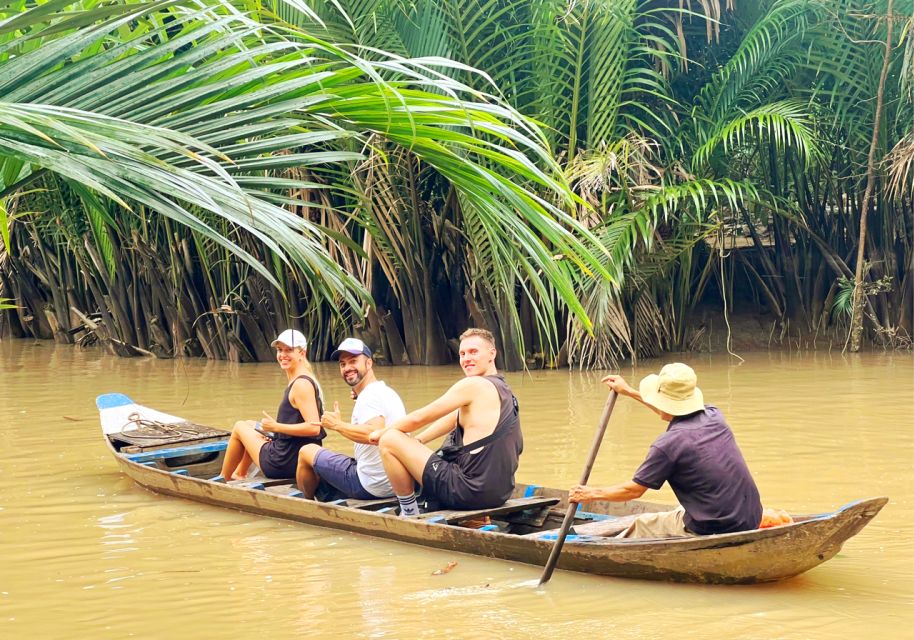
(774, 518)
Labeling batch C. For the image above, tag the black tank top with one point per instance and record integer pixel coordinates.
(283, 450)
(490, 472)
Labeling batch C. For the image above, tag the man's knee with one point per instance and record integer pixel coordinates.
(390, 441)
(308, 453)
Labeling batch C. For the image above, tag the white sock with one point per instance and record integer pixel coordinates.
(408, 505)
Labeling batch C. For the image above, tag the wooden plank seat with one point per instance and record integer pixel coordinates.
(278, 486)
(266, 482)
(367, 505)
(177, 452)
(512, 506)
(287, 487)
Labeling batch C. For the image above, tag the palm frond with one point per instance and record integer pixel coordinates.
(785, 125)
(693, 201)
(766, 57)
(184, 129)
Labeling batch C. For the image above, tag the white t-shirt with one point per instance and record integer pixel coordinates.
(377, 399)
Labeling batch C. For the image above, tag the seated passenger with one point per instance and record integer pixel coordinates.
(697, 455)
(274, 443)
(475, 469)
(331, 475)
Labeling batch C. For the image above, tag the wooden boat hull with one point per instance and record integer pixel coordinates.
(763, 555)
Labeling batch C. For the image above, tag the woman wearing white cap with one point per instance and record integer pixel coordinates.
(697, 455)
(274, 443)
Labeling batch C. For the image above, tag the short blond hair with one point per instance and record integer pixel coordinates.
(473, 332)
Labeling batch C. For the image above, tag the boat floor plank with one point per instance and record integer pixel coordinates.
(532, 517)
(370, 505)
(280, 489)
(266, 482)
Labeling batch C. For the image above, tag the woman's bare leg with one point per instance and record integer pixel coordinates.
(244, 443)
(241, 471)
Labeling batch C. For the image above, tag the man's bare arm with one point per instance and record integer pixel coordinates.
(624, 492)
(441, 426)
(459, 395)
(332, 421)
(620, 386)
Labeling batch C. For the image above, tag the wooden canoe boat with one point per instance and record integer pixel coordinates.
(168, 455)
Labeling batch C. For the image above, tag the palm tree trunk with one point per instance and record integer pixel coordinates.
(856, 329)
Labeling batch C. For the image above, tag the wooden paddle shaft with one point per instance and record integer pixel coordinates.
(585, 476)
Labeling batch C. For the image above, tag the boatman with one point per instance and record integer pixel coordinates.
(697, 455)
(475, 468)
(331, 475)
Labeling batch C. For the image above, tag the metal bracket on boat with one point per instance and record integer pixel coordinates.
(589, 515)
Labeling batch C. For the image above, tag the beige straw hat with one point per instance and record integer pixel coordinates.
(673, 391)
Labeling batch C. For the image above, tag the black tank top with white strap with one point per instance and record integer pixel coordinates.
(283, 450)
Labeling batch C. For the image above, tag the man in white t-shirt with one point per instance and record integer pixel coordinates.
(331, 476)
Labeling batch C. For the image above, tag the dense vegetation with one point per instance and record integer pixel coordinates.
(581, 176)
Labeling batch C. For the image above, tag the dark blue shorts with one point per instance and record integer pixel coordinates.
(338, 477)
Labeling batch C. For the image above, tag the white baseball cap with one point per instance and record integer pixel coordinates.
(291, 338)
(353, 346)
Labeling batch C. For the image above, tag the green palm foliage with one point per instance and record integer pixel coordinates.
(758, 148)
(195, 112)
(683, 154)
(588, 71)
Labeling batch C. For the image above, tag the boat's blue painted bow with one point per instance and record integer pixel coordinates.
(111, 400)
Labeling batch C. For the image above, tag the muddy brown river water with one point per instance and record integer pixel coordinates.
(86, 553)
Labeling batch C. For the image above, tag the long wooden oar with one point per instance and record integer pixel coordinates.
(572, 506)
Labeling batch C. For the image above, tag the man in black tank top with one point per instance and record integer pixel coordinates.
(475, 469)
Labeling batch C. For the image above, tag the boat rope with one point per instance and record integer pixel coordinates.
(146, 428)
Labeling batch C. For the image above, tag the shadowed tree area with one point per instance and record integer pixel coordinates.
(584, 178)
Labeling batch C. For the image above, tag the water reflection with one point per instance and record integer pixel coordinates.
(112, 560)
